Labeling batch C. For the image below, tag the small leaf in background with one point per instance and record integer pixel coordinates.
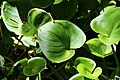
(77, 77)
(58, 40)
(27, 41)
(86, 67)
(108, 26)
(2, 61)
(41, 3)
(58, 1)
(36, 18)
(34, 66)
(98, 48)
(10, 17)
(65, 10)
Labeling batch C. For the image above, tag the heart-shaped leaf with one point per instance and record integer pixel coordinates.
(34, 66)
(41, 3)
(36, 18)
(86, 67)
(10, 17)
(2, 61)
(58, 39)
(98, 48)
(108, 26)
(64, 10)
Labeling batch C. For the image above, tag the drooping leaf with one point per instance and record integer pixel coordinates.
(86, 67)
(36, 18)
(65, 10)
(34, 66)
(77, 77)
(41, 3)
(58, 1)
(2, 61)
(10, 17)
(58, 39)
(98, 48)
(108, 26)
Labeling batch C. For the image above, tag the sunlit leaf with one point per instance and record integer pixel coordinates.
(34, 66)
(86, 67)
(2, 61)
(77, 77)
(98, 48)
(10, 17)
(41, 3)
(58, 39)
(65, 10)
(58, 1)
(108, 26)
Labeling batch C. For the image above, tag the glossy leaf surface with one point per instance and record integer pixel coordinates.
(64, 10)
(34, 66)
(10, 17)
(86, 67)
(2, 61)
(108, 26)
(98, 48)
(58, 39)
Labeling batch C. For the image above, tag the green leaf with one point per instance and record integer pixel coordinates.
(34, 66)
(98, 48)
(77, 77)
(36, 18)
(27, 41)
(58, 1)
(10, 17)
(108, 26)
(2, 61)
(58, 39)
(86, 67)
(41, 3)
(64, 10)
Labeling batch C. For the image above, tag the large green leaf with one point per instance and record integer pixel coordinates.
(108, 26)
(41, 3)
(2, 61)
(58, 39)
(98, 48)
(86, 67)
(65, 10)
(10, 17)
(36, 18)
(34, 66)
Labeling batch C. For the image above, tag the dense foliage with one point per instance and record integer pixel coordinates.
(59, 40)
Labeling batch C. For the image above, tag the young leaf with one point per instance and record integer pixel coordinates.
(10, 17)
(2, 61)
(86, 67)
(108, 26)
(77, 77)
(34, 66)
(64, 10)
(98, 48)
(41, 3)
(58, 39)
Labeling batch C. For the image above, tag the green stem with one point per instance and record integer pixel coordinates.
(39, 76)
(56, 73)
(115, 56)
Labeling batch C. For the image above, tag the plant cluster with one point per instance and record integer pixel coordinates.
(59, 40)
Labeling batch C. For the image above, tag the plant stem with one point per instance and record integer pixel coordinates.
(115, 56)
(39, 76)
(56, 73)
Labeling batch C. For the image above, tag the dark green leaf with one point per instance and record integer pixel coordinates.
(58, 39)
(34, 66)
